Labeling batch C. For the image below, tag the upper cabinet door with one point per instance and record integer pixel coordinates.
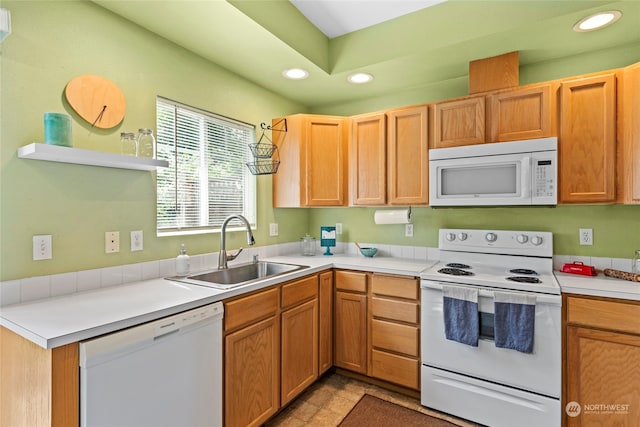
(407, 156)
(313, 152)
(629, 136)
(587, 146)
(368, 159)
(522, 114)
(460, 122)
(326, 148)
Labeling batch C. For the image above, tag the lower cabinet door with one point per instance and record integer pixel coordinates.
(350, 340)
(251, 378)
(299, 349)
(603, 378)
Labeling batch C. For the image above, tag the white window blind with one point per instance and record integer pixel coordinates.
(207, 179)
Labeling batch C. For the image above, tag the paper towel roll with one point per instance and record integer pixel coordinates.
(396, 216)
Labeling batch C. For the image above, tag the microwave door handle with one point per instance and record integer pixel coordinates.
(526, 177)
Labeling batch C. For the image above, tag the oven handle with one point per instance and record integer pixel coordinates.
(488, 293)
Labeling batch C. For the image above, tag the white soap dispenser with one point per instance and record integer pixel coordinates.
(182, 262)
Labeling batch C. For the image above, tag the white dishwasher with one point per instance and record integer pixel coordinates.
(163, 373)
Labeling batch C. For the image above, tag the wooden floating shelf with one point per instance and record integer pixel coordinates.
(55, 153)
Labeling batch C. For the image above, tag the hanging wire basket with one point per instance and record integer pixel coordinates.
(264, 167)
(263, 153)
(262, 150)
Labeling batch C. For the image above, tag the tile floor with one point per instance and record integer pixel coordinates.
(331, 398)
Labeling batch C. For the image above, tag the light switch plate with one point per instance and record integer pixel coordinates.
(136, 241)
(273, 229)
(42, 248)
(338, 228)
(112, 242)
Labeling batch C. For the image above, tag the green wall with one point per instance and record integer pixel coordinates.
(55, 41)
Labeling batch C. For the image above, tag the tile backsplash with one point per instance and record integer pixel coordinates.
(34, 288)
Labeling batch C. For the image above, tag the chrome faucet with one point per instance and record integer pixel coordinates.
(224, 257)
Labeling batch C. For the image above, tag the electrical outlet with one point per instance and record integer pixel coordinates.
(338, 228)
(42, 248)
(112, 242)
(273, 229)
(586, 236)
(408, 230)
(136, 241)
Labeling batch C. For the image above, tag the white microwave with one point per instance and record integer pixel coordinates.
(497, 174)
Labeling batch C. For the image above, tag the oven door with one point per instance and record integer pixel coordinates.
(539, 371)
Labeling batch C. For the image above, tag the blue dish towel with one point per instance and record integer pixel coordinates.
(461, 318)
(514, 318)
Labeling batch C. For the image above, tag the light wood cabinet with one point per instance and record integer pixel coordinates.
(299, 325)
(407, 156)
(313, 161)
(601, 364)
(271, 349)
(395, 330)
(389, 158)
(458, 122)
(350, 333)
(38, 387)
(368, 160)
(251, 359)
(325, 332)
(251, 382)
(628, 183)
(523, 113)
(587, 144)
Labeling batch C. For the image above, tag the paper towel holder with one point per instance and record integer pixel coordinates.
(393, 216)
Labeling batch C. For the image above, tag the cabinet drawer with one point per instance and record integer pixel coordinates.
(402, 311)
(613, 315)
(396, 369)
(395, 337)
(395, 286)
(351, 281)
(299, 291)
(246, 310)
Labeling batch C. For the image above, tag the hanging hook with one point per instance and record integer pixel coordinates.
(264, 126)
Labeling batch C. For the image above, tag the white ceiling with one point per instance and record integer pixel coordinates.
(338, 17)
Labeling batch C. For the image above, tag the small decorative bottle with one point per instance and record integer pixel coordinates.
(183, 264)
(146, 143)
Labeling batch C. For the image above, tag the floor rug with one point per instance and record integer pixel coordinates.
(371, 412)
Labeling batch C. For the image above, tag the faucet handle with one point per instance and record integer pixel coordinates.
(231, 257)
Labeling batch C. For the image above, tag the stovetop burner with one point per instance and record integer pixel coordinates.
(523, 271)
(524, 279)
(455, 271)
(458, 265)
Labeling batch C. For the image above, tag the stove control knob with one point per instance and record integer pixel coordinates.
(491, 237)
(536, 240)
(522, 238)
(462, 236)
(450, 237)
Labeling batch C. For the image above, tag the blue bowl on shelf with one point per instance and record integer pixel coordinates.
(368, 252)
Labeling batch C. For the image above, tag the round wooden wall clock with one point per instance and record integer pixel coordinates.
(97, 100)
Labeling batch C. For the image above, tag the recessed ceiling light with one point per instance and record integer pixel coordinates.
(359, 78)
(295, 73)
(597, 21)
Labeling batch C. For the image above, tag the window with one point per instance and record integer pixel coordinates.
(207, 179)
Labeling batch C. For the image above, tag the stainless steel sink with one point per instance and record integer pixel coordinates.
(239, 275)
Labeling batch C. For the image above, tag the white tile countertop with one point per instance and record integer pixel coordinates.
(57, 321)
(600, 285)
